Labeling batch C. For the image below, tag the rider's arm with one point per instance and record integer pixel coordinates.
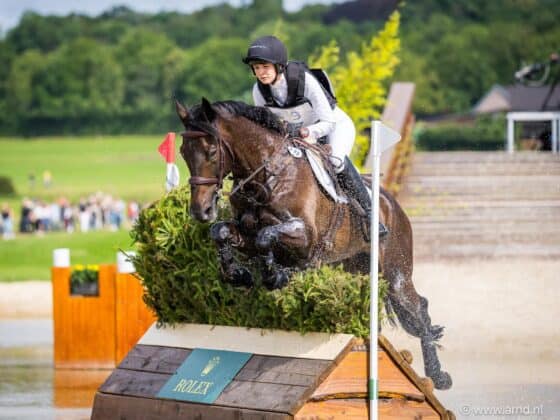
(258, 99)
(321, 107)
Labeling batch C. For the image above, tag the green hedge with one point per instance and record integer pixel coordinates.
(485, 134)
(177, 262)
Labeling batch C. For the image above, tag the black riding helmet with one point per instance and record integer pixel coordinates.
(268, 49)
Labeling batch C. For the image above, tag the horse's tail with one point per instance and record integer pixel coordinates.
(390, 312)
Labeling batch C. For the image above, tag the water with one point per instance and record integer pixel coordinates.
(30, 387)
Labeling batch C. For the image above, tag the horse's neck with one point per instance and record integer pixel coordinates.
(251, 151)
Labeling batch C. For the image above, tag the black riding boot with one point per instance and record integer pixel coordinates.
(352, 184)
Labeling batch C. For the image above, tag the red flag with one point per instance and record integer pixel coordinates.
(167, 148)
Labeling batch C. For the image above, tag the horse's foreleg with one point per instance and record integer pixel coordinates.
(291, 234)
(226, 235)
(412, 312)
(288, 235)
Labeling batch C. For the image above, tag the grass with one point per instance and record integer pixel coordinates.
(127, 167)
(29, 257)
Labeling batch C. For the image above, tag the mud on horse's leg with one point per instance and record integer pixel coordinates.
(290, 234)
(227, 236)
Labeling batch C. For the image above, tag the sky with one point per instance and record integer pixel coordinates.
(11, 10)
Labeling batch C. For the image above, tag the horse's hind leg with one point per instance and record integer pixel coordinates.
(226, 235)
(412, 312)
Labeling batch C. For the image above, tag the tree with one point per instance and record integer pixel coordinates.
(81, 79)
(214, 70)
(360, 82)
(143, 55)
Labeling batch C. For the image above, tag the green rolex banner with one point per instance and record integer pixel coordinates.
(203, 375)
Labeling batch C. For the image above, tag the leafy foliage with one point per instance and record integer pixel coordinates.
(177, 262)
(360, 83)
(484, 134)
(84, 280)
(117, 72)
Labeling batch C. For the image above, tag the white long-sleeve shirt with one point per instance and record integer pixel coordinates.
(326, 118)
(335, 124)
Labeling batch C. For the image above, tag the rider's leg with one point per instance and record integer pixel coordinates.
(341, 142)
(352, 183)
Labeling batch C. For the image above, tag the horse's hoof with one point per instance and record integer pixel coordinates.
(442, 380)
(277, 281)
(240, 276)
(281, 279)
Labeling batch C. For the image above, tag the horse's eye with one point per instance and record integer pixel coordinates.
(212, 152)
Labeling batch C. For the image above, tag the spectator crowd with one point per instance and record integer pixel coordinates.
(98, 211)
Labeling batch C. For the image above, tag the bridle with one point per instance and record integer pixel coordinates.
(223, 145)
(204, 130)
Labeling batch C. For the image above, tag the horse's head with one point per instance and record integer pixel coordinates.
(204, 152)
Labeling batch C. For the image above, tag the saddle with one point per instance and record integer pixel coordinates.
(323, 176)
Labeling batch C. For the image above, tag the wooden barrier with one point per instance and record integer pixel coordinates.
(75, 388)
(288, 376)
(400, 161)
(133, 318)
(84, 326)
(402, 393)
(96, 332)
(397, 114)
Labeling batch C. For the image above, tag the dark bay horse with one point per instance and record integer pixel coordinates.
(281, 214)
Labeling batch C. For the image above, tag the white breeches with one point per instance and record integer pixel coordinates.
(341, 139)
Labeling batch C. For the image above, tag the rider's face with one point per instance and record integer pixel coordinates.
(265, 72)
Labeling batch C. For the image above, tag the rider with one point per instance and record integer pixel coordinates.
(288, 84)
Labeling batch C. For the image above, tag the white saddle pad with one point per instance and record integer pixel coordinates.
(323, 177)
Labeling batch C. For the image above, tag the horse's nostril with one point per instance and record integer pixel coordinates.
(208, 213)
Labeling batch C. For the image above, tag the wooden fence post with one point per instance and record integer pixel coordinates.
(84, 326)
(133, 317)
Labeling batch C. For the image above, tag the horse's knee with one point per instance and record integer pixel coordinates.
(220, 232)
(266, 238)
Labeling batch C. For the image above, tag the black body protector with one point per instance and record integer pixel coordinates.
(297, 112)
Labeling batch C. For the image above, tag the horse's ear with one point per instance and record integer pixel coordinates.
(182, 112)
(208, 110)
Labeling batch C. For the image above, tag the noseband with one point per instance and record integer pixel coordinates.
(222, 145)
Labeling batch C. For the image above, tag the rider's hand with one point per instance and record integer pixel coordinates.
(307, 136)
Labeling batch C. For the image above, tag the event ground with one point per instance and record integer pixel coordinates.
(501, 346)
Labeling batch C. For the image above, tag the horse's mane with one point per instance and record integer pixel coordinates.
(258, 114)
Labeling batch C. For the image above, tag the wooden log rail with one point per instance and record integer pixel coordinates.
(398, 115)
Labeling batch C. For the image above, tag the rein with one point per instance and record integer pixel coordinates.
(326, 241)
(241, 185)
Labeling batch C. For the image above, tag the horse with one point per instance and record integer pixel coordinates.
(281, 214)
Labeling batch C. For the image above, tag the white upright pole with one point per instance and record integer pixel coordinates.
(374, 274)
(557, 133)
(510, 133)
(382, 138)
(554, 135)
